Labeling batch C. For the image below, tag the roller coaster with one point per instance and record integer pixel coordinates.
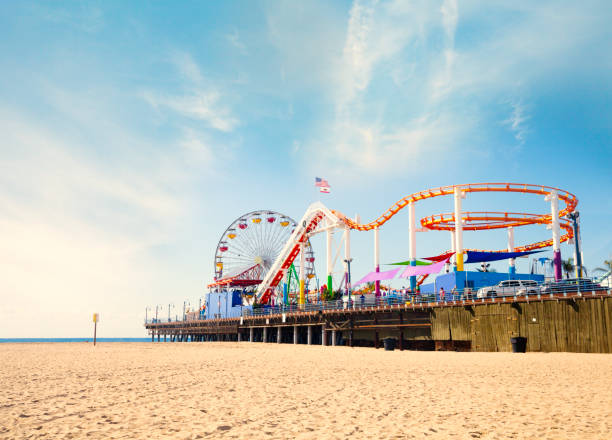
(318, 218)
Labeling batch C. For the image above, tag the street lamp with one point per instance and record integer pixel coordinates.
(156, 311)
(348, 279)
(169, 307)
(147, 308)
(573, 216)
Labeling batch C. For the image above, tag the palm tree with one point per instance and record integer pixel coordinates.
(607, 267)
(567, 266)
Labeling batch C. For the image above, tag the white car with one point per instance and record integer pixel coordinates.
(509, 288)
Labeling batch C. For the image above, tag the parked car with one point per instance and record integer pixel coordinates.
(509, 288)
(571, 285)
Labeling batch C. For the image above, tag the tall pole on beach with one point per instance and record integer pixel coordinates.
(96, 318)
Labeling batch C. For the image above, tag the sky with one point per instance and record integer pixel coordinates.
(133, 133)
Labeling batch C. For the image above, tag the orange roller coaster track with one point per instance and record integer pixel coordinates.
(480, 220)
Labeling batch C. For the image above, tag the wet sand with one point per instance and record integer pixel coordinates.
(270, 391)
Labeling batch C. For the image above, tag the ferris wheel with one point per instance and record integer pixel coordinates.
(250, 245)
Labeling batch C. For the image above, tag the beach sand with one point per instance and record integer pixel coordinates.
(247, 391)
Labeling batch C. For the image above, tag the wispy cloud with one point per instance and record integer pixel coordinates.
(518, 121)
(234, 39)
(87, 18)
(407, 86)
(199, 100)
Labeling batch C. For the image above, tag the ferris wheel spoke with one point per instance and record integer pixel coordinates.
(258, 240)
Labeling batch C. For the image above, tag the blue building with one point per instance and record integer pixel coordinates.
(226, 304)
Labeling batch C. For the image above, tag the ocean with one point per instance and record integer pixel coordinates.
(25, 340)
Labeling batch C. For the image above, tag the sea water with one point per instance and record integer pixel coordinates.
(20, 340)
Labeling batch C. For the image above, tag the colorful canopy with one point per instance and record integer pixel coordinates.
(480, 257)
(378, 276)
(423, 270)
(441, 257)
(407, 263)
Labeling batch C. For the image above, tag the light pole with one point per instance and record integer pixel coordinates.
(573, 216)
(156, 310)
(146, 314)
(348, 262)
(169, 307)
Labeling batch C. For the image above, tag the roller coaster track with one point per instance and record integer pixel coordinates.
(474, 221)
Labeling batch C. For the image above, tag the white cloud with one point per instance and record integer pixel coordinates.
(76, 235)
(518, 121)
(407, 86)
(234, 39)
(200, 101)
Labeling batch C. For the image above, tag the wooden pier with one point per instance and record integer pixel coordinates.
(573, 323)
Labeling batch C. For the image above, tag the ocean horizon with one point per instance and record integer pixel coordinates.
(90, 339)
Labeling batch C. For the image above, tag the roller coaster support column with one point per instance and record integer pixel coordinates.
(301, 300)
(458, 228)
(376, 260)
(453, 259)
(553, 198)
(329, 261)
(512, 267)
(412, 238)
(573, 216)
(347, 261)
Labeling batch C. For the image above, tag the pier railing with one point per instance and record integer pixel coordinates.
(365, 302)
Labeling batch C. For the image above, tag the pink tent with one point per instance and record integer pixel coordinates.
(423, 270)
(378, 276)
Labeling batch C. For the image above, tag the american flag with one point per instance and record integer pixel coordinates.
(322, 184)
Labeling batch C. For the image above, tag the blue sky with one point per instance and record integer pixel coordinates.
(132, 134)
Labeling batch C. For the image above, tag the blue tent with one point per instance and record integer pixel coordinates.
(480, 257)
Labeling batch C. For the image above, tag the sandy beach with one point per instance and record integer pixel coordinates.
(231, 390)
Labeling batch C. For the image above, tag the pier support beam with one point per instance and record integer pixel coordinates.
(323, 335)
(401, 332)
(265, 334)
(239, 336)
(164, 337)
(376, 341)
(152, 336)
(309, 340)
(251, 334)
(158, 337)
(295, 334)
(279, 334)
(333, 338)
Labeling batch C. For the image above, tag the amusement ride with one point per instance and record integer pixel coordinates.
(259, 249)
(250, 245)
